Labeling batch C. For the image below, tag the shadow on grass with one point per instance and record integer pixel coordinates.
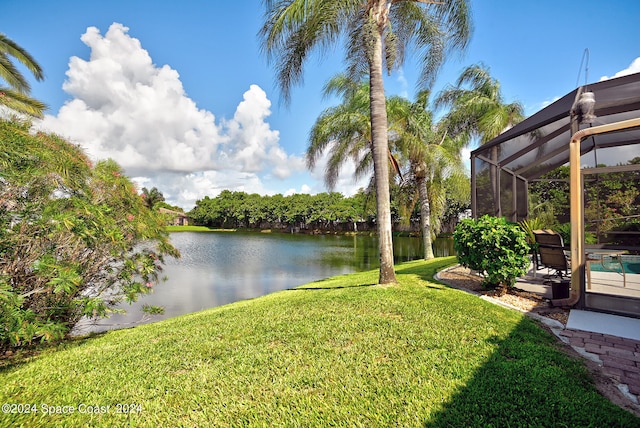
(423, 269)
(530, 382)
(336, 287)
(26, 355)
(426, 270)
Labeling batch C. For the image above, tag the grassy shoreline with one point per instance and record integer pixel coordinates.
(196, 229)
(306, 232)
(340, 351)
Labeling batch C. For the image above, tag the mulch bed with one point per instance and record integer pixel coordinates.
(463, 278)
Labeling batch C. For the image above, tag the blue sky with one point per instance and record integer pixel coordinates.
(180, 94)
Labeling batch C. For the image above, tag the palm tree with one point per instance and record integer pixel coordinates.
(432, 156)
(16, 94)
(344, 130)
(377, 33)
(151, 197)
(477, 109)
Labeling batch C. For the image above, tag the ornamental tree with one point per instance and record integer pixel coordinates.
(76, 239)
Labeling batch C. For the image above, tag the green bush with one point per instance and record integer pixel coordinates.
(564, 230)
(76, 239)
(493, 247)
(529, 225)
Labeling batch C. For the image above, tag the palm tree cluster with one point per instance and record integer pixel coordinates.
(376, 35)
(151, 197)
(14, 94)
(391, 134)
(432, 154)
(425, 155)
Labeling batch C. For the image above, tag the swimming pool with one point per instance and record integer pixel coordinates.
(631, 264)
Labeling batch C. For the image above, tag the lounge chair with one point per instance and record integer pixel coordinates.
(550, 252)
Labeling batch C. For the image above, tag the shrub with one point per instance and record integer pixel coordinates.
(75, 239)
(564, 230)
(493, 247)
(529, 225)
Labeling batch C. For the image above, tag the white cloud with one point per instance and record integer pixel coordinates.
(346, 183)
(126, 108)
(254, 145)
(184, 189)
(634, 67)
(546, 103)
(303, 189)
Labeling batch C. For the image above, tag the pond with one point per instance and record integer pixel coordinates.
(217, 268)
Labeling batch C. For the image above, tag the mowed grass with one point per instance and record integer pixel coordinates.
(338, 352)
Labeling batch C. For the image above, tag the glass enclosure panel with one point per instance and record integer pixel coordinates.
(537, 151)
(483, 190)
(612, 209)
(522, 201)
(507, 194)
(611, 156)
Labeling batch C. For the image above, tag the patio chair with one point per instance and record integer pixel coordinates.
(550, 252)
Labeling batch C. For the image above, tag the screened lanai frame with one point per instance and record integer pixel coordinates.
(502, 169)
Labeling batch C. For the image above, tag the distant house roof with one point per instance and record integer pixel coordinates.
(168, 211)
(179, 218)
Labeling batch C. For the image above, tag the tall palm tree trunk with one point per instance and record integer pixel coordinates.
(425, 217)
(380, 148)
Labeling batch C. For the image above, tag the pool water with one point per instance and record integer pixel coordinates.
(631, 264)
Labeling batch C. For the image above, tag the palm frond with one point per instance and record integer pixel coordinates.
(9, 48)
(21, 103)
(294, 28)
(434, 29)
(10, 74)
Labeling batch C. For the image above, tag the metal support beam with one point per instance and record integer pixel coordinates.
(514, 198)
(577, 205)
(474, 206)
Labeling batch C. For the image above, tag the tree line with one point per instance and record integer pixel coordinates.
(328, 211)
(324, 211)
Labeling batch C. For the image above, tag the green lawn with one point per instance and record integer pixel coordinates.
(338, 352)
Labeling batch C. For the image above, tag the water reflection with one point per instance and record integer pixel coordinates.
(220, 268)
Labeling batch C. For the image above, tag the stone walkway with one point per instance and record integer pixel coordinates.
(619, 357)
